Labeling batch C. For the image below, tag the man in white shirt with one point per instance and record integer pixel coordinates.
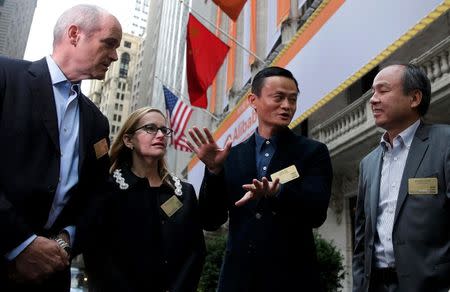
(402, 236)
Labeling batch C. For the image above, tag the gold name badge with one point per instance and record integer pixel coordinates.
(423, 186)
(171, 206)
(285, 175)
(101, 148)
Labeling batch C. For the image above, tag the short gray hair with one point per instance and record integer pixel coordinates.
(414, 78)
(86, 16)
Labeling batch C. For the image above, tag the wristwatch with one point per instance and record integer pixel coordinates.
(64, 245)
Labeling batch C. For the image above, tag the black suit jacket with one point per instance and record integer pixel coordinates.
(30, 154)
(270, 243)
(421, 231)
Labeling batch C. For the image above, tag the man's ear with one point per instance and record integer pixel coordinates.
(73, 34)
(251, 100)
(416, 98)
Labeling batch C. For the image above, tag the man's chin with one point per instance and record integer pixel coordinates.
(99, 76)
(284, 123)
(281, 125)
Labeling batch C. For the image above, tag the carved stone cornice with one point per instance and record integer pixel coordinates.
(355, 123)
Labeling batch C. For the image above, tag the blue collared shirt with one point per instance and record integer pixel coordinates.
(68, 113)
(265, 149)
(394, 160)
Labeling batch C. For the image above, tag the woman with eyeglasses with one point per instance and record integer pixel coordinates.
(146, 235)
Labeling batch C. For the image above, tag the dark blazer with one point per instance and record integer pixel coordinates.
(270, 243)
(135, 246)
(30, 155)
(421, 232)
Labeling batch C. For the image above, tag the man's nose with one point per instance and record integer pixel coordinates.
(285, 103)
(114, 55)
(374, 99)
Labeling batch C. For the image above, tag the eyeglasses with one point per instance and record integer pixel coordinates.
(152, 129)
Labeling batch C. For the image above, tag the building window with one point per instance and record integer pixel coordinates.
(124, 63)
(116, 106)
(124, 86)
(127, 44)
(122, 96)
(119, 85)
(119, 118)
(117, 95)
(115, 117)
(2, 2)
(113, 129)
(121, 107)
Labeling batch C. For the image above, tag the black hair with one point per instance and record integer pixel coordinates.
(258, 80)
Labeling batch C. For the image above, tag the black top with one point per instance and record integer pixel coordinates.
(136, 246)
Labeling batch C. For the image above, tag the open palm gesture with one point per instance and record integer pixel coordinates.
(258, 189)
(207, 150)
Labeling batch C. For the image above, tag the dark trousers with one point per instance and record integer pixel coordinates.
(383, 280)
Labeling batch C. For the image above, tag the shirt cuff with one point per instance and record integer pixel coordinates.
(71, 230)
(15, 252)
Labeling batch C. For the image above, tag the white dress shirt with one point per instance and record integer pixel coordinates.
(394, 159)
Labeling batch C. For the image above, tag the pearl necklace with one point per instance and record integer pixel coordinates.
(123, 185)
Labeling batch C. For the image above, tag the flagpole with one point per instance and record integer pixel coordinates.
(224, 33)
(183, 97)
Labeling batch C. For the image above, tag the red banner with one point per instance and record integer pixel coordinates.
(231, 7)
(205, 54)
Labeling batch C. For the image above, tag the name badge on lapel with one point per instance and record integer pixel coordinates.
(423, 186)
(101, 148)
(171, 206)
(286, 175)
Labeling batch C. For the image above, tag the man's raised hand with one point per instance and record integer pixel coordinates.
(207, 150)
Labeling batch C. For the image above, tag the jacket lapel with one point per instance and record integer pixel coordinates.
(283, 155)
(42, 92)
(247, 153)
(375, 173)
(416, 153)
(85, 121)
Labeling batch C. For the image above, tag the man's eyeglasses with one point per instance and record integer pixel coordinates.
(152, 129)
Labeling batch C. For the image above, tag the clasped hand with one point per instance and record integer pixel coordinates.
(38, 261)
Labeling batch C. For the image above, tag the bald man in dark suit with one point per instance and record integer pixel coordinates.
(54, 149)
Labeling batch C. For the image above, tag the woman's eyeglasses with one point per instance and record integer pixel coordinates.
(152, 129)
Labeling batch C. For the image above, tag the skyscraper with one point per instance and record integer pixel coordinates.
(112, 95)
(15, 23)
(136, 24)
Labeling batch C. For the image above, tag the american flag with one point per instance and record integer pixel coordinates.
(179, 114)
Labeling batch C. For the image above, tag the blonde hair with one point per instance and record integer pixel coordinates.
(121, 155)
